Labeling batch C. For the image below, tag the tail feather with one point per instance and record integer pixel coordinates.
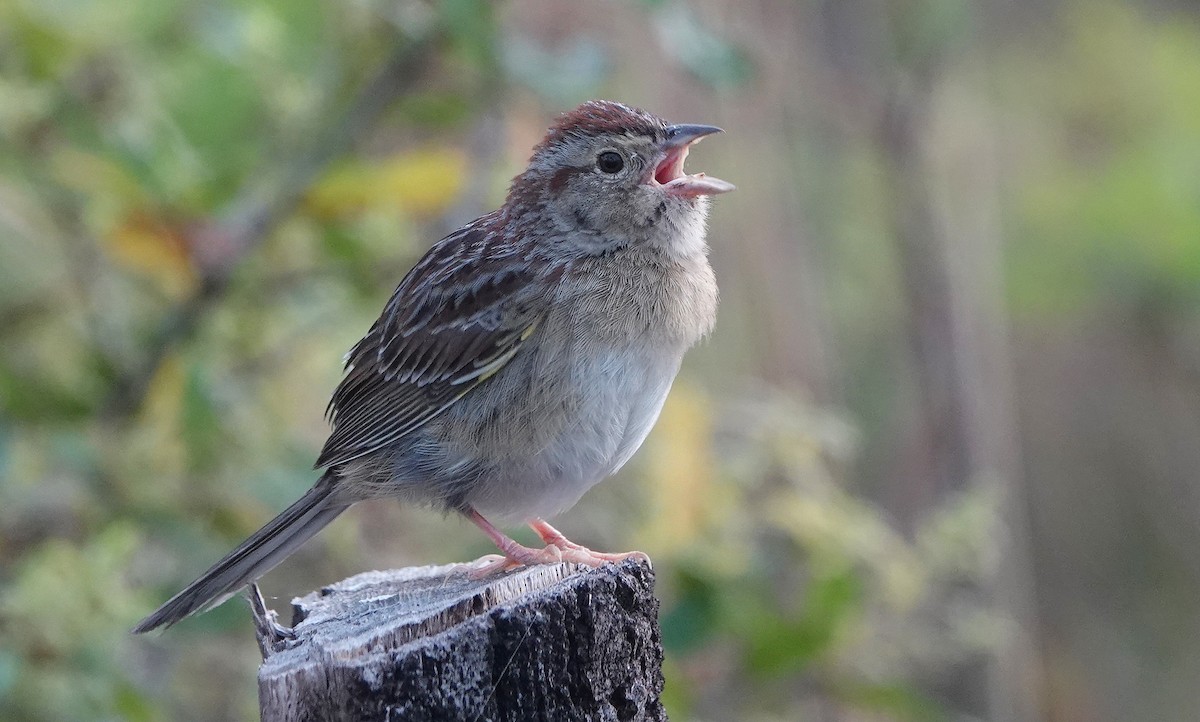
(252, 558)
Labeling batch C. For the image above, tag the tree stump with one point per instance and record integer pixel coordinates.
(550, 642)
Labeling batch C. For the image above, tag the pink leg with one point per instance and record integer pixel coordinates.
(514, 551)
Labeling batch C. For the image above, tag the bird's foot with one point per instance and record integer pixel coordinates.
(554, 537)
(520, 556)
(515, 555)
(558, 549)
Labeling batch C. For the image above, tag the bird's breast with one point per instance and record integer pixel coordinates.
(578, 400)
(639, 298)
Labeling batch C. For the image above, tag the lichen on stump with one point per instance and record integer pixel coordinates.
(551, 642)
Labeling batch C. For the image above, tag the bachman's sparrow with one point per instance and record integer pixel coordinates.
(525, 357)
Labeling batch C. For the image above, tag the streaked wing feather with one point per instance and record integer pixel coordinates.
(455, 320)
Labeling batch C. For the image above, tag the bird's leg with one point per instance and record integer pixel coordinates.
(554, 537)
(515, 553)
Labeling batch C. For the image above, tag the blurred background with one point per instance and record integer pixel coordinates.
(938, 462)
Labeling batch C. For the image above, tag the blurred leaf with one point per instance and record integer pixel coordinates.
(695, 617)
(897, 701)
(161, 413)
(422, 183)
(707, 56)
(90, 26)
(472, 25)
(678, 693)
(788, 645)
(42, 47)
(133, 706)
(218, 110)
(32, 399)
(1109, 205)
(344, 245)
(157, 248)
(65, 611)
(345, 190)
(563, 78)
(22, 105)
(202, 423)
(5, 443)
(956, 538)
(95, 175)
(434, 109)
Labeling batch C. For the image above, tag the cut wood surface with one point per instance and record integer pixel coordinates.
(550, 642)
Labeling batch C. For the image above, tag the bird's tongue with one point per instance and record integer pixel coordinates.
(670, 175)
(671, 167)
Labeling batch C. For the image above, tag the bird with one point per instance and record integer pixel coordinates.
(523, 358)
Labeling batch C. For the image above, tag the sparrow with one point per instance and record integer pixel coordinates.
(524, 358)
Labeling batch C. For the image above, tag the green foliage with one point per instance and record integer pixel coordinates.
(565, 78)
(472, 26)
(711, 58)
(1110, 201)
(64, 614)
(784, 644)
(801, 582)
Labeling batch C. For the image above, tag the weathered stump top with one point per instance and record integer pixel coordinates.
(550, 642)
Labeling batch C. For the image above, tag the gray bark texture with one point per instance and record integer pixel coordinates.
(550, 642)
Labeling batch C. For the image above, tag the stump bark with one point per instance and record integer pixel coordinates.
(550, 642)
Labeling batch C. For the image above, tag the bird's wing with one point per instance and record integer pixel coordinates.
(455, 320)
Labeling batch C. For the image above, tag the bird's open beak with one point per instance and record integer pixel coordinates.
(669, 171)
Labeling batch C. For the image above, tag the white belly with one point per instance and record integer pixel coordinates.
(623, 396)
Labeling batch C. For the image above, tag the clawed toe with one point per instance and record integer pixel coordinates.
(583, 555)
(519, 556)
(580, 554)
(495, 563)
(558, 549)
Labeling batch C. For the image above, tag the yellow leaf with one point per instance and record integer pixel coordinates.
(423, 183)
(163, 404)
(157, 249)
(95, 175)
(343, 191)
(420, 183)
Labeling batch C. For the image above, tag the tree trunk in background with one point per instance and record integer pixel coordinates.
(963, 432)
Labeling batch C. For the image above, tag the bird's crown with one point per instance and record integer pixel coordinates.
(599, 117)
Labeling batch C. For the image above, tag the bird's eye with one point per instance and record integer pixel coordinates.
(610, 161)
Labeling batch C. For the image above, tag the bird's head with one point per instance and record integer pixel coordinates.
(616, 173)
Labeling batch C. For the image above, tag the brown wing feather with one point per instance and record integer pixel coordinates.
(458, 316)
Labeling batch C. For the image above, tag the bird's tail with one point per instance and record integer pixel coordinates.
(253, 558)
